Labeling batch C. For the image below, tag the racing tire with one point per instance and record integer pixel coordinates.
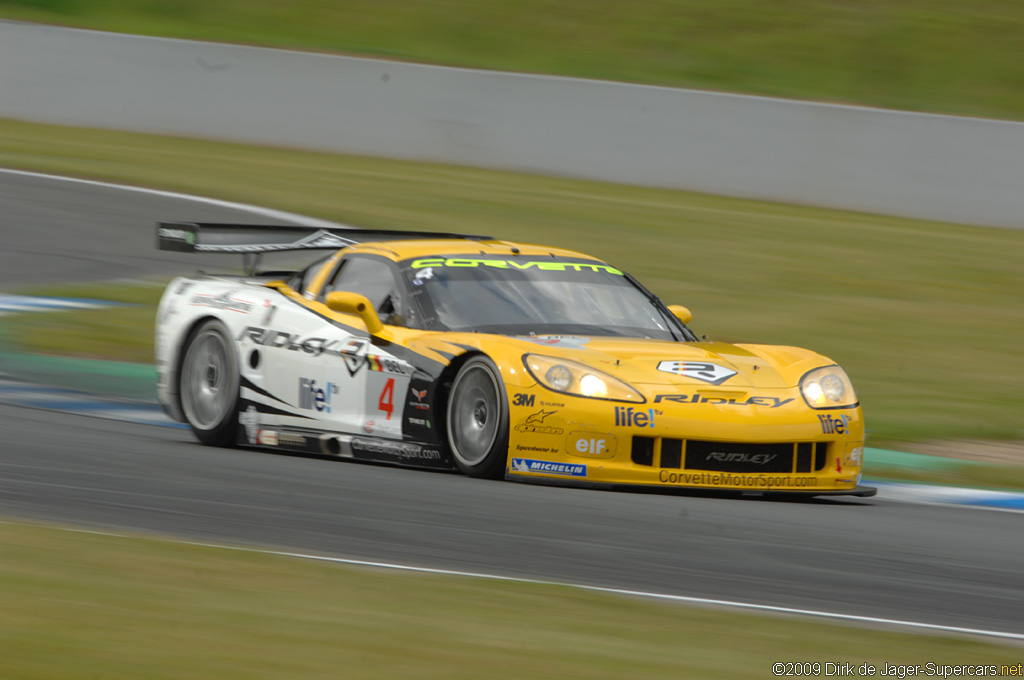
(208, 384)
(477, 420)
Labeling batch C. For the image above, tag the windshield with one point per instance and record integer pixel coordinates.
(535, 296)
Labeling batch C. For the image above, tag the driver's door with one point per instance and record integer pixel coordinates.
(378, 380)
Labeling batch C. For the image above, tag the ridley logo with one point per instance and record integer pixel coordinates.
(289, 341)
(770, 402)
(709, 373)
(755, 458)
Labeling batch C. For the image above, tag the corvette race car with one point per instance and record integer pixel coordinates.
(497, 359)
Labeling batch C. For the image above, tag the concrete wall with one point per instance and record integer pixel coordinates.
(937, 167)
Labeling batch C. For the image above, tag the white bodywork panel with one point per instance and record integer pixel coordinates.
(300, 368)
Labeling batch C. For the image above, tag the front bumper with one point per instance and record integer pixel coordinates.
(729, 447)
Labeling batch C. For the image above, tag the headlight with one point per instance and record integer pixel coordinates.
(570, 377)
(827, 387)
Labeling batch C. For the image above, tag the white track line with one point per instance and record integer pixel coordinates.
(255, 209)
(577, 586)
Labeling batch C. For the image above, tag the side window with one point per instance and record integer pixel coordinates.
(377, 282)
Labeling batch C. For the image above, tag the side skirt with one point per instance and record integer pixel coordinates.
(366, 448)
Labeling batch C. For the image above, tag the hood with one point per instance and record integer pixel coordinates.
(686, 364)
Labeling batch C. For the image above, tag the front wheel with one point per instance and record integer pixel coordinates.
(208, 384)
(478, 420)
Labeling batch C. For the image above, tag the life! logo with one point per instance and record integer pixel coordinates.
(627, 416)
(832, 425)
(315, 398)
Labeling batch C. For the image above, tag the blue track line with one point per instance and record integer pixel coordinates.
(80, 403)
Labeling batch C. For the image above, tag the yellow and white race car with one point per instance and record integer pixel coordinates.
(497, 359)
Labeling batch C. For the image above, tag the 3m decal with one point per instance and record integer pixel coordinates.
(545, 265)
(770, 402)
(520, 399)
(549, 467)
(699, 370)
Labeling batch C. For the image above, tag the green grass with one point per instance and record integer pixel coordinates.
(88, 333)
(81, 605)
(928, 55)
(926, 317)
(971, 475)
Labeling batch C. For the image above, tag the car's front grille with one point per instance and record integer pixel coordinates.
(694, 454)
(643, 450)
(732, 457)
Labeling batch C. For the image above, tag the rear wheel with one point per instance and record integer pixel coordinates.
(478, 420)
(208, 384)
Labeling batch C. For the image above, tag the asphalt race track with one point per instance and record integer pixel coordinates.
(941, 565)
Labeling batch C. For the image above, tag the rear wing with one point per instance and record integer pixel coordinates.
(252, 240)
(206, 237)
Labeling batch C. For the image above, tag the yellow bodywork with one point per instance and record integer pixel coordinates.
(573, 439)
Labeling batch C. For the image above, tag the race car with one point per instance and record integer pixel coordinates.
(496, 359)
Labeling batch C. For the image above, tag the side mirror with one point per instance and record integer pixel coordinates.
(354, 303)
(681, 313)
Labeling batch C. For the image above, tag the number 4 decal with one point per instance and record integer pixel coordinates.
(387, 398)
